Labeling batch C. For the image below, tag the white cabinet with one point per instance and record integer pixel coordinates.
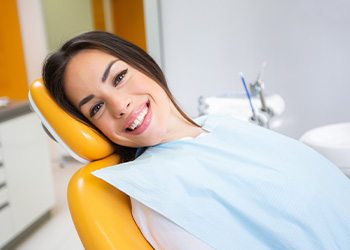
(25, 175)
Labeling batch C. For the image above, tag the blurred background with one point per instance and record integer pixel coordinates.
(202, 46)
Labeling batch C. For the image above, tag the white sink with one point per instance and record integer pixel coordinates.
(333, 141)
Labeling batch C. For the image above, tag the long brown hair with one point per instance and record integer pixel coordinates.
(55, 66)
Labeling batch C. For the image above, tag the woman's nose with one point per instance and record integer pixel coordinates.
(123, 111)
(119, 106)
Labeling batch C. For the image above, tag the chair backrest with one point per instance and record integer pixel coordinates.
(100, 212)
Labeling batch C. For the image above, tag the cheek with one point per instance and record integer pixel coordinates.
(160, 97)
(140, 88)
(143, 84)
(164, 103)
(111, 130)
(105, 126)
(124, 141)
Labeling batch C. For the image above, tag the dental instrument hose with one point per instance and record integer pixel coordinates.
(248, 95)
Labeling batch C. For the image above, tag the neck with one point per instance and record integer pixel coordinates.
(180, 127)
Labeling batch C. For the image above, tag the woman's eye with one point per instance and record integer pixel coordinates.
(94, 109)
(119, 77)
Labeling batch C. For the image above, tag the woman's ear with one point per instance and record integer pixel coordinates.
(81, 141)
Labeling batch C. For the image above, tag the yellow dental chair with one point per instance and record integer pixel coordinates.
(101, 213)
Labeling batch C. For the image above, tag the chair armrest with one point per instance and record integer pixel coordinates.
(101, 213)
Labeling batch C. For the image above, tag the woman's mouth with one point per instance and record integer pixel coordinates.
(139, 119)
(142, 120)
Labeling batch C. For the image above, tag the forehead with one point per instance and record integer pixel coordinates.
(84, 71)
(87, 65)
(89, 58)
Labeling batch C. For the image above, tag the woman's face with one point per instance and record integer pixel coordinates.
(127, 106)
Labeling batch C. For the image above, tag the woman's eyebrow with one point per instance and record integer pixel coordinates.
(106, 73)
(85, 100)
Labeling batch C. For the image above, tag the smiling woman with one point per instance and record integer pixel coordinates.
(130, 108)
(112, 85)
(213, 183)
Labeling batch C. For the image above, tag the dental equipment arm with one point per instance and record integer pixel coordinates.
(255, 118)
(258, 88)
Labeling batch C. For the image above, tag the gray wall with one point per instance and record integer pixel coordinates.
(306, 44)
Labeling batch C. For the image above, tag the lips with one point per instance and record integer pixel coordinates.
(139, 120)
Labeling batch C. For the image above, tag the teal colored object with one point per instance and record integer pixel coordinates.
(242, 186)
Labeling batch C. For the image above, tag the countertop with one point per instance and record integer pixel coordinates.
(14, 109)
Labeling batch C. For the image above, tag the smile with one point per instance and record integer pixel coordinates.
(140, 120)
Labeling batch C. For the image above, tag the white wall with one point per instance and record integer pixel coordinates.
(153, 29)
(305, 42)
(33, 36)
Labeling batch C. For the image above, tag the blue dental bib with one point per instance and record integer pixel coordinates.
(242, 186)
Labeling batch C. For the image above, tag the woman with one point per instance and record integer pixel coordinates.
(211, 183)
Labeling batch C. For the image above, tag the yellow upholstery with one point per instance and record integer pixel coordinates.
(82, 139)
(101, 213)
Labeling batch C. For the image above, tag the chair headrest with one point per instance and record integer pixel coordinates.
(82, 142)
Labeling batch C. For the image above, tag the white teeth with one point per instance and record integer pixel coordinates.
(139, 119)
